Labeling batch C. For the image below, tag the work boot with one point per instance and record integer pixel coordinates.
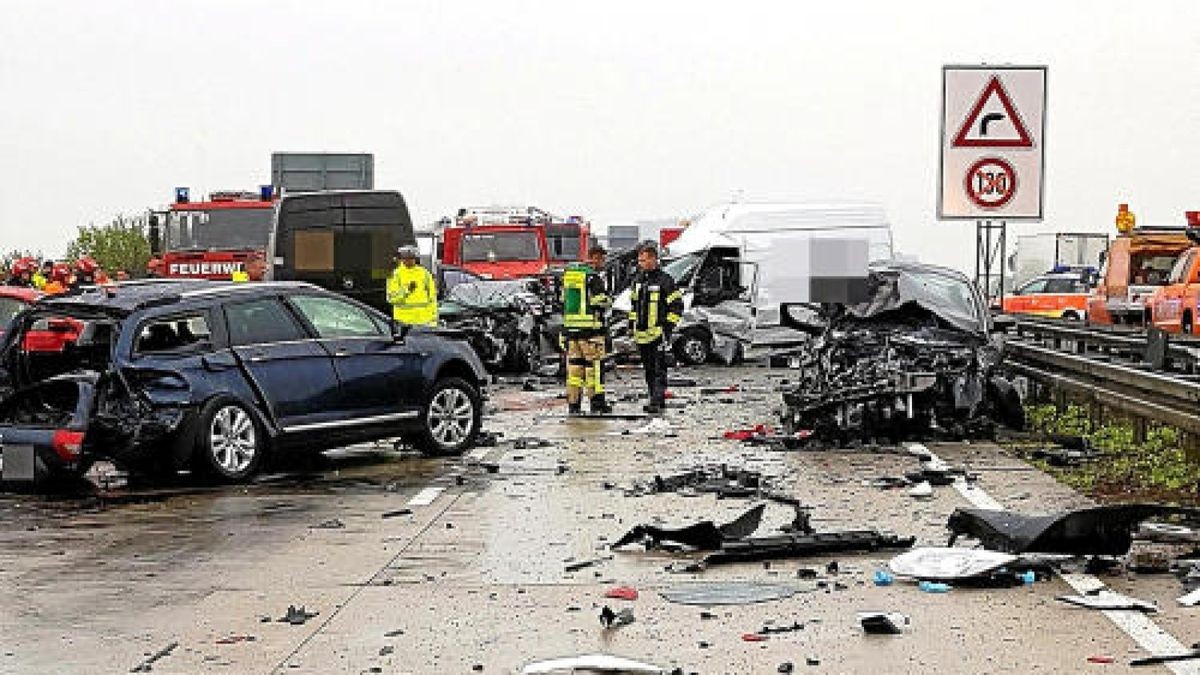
(652, 408)
(575, 409)
(600, 406)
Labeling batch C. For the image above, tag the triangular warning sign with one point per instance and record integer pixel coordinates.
(993, 122)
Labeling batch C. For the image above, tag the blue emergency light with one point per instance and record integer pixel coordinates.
(266, 192)
(181, 195)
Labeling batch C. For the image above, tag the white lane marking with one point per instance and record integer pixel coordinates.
(479, 453)
(1136, 625)
(425, 497)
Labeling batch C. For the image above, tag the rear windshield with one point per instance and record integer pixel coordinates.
(1149, 269)
(495, 246)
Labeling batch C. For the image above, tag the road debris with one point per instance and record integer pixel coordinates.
(611, 619)
(331, 524)
(148, 664)
(234, 639)
(726, 593)
(622, 593)
(397, 513)
(701, 536)
(720, 479)
(1100, 530)
(1104, 599)
(296, 616)
(576, 565)
(949, 564)
(882, 623)
(1165, 658)
(786, 546)
(597, 663)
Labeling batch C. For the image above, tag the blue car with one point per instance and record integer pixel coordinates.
(215, 376)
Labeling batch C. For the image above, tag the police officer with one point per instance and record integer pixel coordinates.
(411, 291)
(656, 307)
(585, 301)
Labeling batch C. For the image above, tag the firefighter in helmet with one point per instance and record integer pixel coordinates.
(88, 273)
(585, 303)
(60, 279)
(411, 290)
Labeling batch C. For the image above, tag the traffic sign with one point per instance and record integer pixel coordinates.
(992, 144)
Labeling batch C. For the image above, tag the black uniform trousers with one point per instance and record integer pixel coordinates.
(654, 363)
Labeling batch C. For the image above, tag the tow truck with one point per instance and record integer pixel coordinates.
(212, 239)
(1137, 263)
(1175, 308)
(504, 242)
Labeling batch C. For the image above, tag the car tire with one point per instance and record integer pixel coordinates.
(450, 418)
(231, 444)
(693, 347)
(1071, 315)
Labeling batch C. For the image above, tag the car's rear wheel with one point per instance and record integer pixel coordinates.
(230, 442)
(450, 419)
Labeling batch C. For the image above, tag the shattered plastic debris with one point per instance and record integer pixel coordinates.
(882, 623)
(599, 663)
(576, 565)
(933, 587)
(1101, 530)
(702, 536)
(296, 616)
(147, 665)
(622, 593)
(721, 479)
(1108, 600)
(948, 564)
(800, 545)
(922, 490)
(728, 593)
(611, 619)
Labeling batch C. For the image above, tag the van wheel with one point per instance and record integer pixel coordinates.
(1185, 324)
(451, 418)
(230, 443)
(1070, 315)
(693, 347)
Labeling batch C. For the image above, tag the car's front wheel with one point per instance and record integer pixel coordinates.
(451, 418)
(230, 444)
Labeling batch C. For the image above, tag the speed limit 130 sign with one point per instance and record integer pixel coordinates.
(993, 142)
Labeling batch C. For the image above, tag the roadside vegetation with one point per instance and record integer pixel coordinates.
(1158, 469)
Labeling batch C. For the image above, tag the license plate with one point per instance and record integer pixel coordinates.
(16, 463)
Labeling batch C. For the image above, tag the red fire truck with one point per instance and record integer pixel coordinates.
(212, 239)
(511, 242)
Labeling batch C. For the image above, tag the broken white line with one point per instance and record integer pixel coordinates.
(425, 497)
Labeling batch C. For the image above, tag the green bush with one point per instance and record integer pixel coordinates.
(121, 244)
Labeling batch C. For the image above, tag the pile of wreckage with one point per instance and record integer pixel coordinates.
(513, 325)
(916, 359)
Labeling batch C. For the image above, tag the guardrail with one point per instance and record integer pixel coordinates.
(1144, 374)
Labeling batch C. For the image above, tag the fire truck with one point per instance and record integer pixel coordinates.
(499, 242)
(212, 239)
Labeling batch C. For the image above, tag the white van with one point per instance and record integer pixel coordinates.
(739, 262)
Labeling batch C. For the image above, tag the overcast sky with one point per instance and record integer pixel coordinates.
(614, 110)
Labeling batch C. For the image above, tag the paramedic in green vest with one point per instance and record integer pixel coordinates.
(585, 304)
(656, 306)
(411, 291)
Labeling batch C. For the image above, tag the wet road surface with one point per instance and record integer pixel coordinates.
(417, 565)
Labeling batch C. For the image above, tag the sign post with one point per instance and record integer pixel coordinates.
(992, 156)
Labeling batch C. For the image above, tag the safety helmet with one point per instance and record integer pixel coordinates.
(61, 272)
(86, 265)
(24, 266)
(408, 251)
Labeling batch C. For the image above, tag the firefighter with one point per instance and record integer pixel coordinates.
(21, 273)
(88, 273)
(585, 301)
(411, 290)
(60, 279)
(656, 307)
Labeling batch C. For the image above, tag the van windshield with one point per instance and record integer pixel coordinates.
(683, 268)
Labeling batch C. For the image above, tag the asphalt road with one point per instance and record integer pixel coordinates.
(419, 565)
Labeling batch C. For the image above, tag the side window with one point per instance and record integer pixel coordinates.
(1061, 285)
(165, 335)
(261, 321)
(335, 318)
(1035, 286)
(1182, 266)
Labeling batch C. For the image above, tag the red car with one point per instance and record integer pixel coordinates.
(53, 336)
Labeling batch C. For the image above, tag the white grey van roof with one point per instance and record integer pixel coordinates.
(715, 223)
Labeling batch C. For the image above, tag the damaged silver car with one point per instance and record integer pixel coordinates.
(917, 358)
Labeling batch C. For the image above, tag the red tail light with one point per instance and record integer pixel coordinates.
(68, 444)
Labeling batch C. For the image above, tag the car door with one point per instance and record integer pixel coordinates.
(293, 373)
(379, 375)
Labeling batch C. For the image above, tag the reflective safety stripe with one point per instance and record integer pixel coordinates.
(672, 318)
(677, 294)
(652, 311)
(574, 381)
(646, 336)
(597, 381)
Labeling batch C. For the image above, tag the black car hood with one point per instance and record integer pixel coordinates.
(898, 291)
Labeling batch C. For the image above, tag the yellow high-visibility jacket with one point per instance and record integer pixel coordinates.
(412, 294)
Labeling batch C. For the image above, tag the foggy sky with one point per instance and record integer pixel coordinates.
(613, 110)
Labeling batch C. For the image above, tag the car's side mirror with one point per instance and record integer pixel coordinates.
(399, 330)
(1002, 322)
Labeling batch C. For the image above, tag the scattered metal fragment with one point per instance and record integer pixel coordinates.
(774, 630)
(576, 565)
(234, 639)
(600, 663)
(882, 623)
(948, 564)
(1108, 600)
(148, 664)
(702, 536)
(728, 593)
(531, 442)
(331, 524)
(802, 545)
(1100, 530)
(397, 513)
(611, 619)
(296, 616)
